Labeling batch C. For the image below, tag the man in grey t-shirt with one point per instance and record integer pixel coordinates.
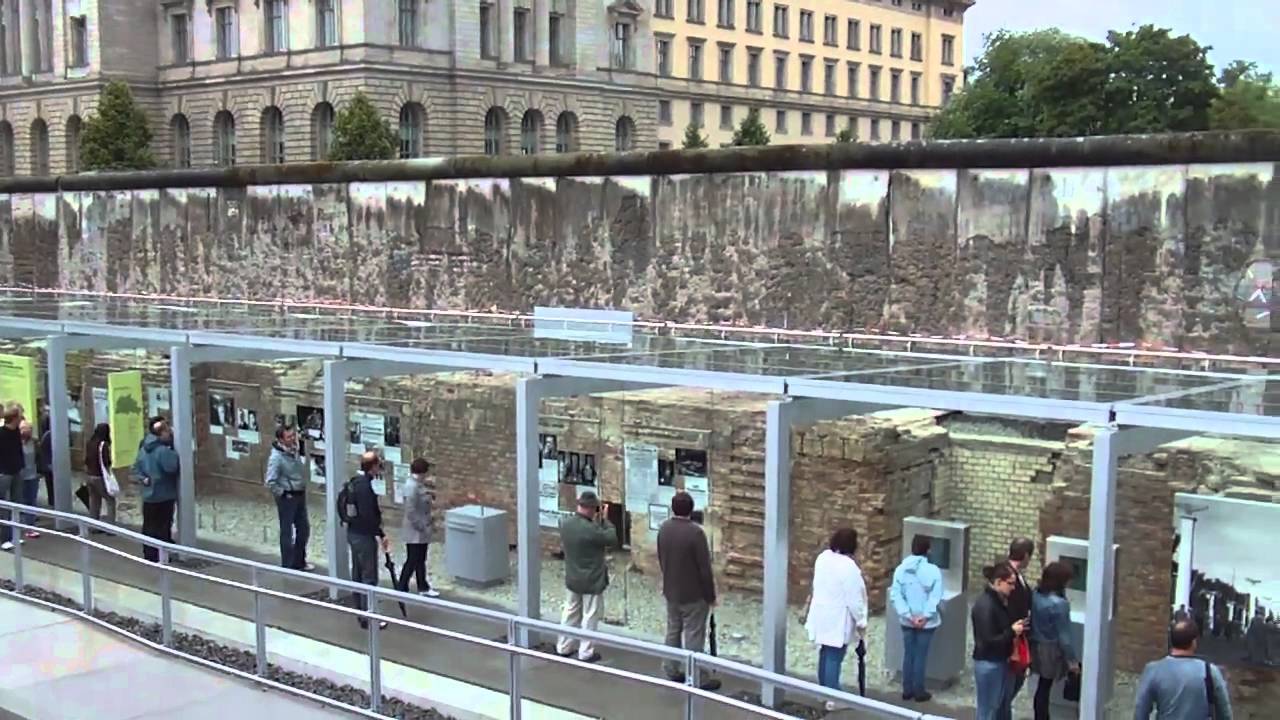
(1181, 686)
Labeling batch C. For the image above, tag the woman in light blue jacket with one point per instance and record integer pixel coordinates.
(1053, 651)
(915, 594)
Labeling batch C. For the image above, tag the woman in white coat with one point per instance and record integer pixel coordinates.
(837, 606)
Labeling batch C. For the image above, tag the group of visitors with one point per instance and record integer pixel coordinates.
(24, 460)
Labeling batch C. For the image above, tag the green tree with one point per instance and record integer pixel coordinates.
(361, 133)
(116, 136)
(1249, 99)
(751, 130)
(693, 138)
(846, 135)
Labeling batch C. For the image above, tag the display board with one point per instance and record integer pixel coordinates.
(18, 383)
(125, 410)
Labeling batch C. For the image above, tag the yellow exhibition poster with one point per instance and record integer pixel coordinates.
(18, 383)
(124, 402)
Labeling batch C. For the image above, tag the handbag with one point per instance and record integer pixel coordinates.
(1071, 688)
(108, 477)
(1020, 660)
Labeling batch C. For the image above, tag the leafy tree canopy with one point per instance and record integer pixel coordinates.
(845, 135)
(116, 136)
(361, 133)
(751, 131)
(1249, 99)
(693, 138)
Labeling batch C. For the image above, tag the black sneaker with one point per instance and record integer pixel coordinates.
(923, 697)
(710, 684)
(677, 678)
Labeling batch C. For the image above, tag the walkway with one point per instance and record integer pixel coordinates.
(61, 668)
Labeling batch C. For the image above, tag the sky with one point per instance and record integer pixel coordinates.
(1237, 29)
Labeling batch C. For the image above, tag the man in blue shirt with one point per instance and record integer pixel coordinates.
(1181, 686)
(157, 470)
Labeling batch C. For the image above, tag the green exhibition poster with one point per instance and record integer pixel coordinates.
(18, 383)
(124, 400)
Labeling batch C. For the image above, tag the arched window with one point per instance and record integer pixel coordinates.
(6, 148)
(74, 126)
(624, 135)
(39, 147)
(273, 135)
(321, 131)
(495, 128)
(180, 134)
(567, 133)
(411, 131)
(224, 139)
(531, 132)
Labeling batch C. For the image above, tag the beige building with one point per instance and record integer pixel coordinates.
(812, 67)
(247, 81)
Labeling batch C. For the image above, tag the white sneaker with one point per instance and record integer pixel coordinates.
(7, 546)
(831, 706)
(430, 593)
(309, 567)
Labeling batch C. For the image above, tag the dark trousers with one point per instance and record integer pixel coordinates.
(1040, 704)
(157, 522)
(295, 530)
(48, 488)
(364, 564)
(415, 564)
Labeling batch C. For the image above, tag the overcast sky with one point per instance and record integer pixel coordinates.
(1237, 29)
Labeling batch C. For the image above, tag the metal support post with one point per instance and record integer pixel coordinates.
(692, 707)
(1101, 576)
(259, 629)
(375, 657)
(166, 600)
(184, 442)
(528, 546)
(514, 693)
(86, 577)
(59, 427)
(17, 551)
(335, 465)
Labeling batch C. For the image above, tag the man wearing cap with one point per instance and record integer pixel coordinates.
(584, 537)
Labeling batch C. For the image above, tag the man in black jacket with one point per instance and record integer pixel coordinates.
(1020, 552)
(364, 530)
(11, 464)
(687, 582)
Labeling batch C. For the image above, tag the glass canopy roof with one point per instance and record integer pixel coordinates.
(1245, 403)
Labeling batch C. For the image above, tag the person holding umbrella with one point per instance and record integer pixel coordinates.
(838, 610)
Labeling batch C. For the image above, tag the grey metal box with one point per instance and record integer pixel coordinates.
(475, 545)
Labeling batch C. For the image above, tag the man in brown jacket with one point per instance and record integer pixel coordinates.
(687, 583)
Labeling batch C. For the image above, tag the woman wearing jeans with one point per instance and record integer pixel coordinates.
(993, 634)
(915, 595)
(1053, 652)
(838, 606)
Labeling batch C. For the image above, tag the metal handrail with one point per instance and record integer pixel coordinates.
(517, 627)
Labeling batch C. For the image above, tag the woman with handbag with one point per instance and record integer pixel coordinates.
(999, 644)
(102, 484)
(1053, 654)
(837, 606)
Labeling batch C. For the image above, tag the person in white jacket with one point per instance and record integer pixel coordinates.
(838, 605)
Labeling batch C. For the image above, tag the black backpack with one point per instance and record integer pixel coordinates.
(348, 508)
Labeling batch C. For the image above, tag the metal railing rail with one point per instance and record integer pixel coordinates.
(517, 627)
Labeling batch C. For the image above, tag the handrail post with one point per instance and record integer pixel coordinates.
(166, 600)
(690, 680)
(514, 692)
(375, 657)
(17, 552)
(86, 577)
(259, 630)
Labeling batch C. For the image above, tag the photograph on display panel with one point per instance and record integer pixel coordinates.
(1228, 587)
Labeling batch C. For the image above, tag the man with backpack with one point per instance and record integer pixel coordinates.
(358, 510)
(1181, 686)
(156, 469)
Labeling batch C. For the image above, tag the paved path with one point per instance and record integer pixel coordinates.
(57, 667)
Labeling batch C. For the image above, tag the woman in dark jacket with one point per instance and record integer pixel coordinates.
(97, 464)
(993, 633)
(1053, 652)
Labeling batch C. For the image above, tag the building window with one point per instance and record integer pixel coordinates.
(780, 72)
(531, 133)
(555, 42)
(39, 147)
(917, 46)
(948, 49)
(851, 79)
(948, 12)
(326, 23)
(12, 51)
(696, 115)
(895, 42)
(830, 30)
(781, 21)
(948, 88)
(696, 14)
(755, 21)
(753, 68)
(875, 129)
(225, 32)
(917, 6)
(726, 63)
(408, 23)
(806, 26)
(830, 129)
(6, 148)
(829, 78)
(79, 41)
(874, 40)
(695, 59)
(276, 40)
(272, 135)
(411, 131)
(806, 74)
(873, 82)
(915, 88)
(180, 37)
(74, 127)
(495, 130)
(486, 31)
(664, 113)
(321, 130)
(180, 135)
(780, 121)
(852, 126)
(566, 133)
(895, 131)
(724, 13)
(806, 123)
(664, 8)
(853, 35)
(520, 30)
(622, 45)
(663, 51)
(624, 135)
(915, 131)
(726, 117)
(895, 86)
(224, 139)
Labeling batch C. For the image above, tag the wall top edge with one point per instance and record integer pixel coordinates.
(1249, 146)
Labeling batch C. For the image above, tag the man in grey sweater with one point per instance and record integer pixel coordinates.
(1181, 686)
(687, 583)
(287, 480)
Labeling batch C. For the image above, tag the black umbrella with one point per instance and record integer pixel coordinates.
(711, 633)
(862, 668)
(390, 565)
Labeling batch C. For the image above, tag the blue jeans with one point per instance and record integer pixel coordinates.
(10, 490)
(829, 661)
(915, 658)
(30, 491)
(994, 684)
